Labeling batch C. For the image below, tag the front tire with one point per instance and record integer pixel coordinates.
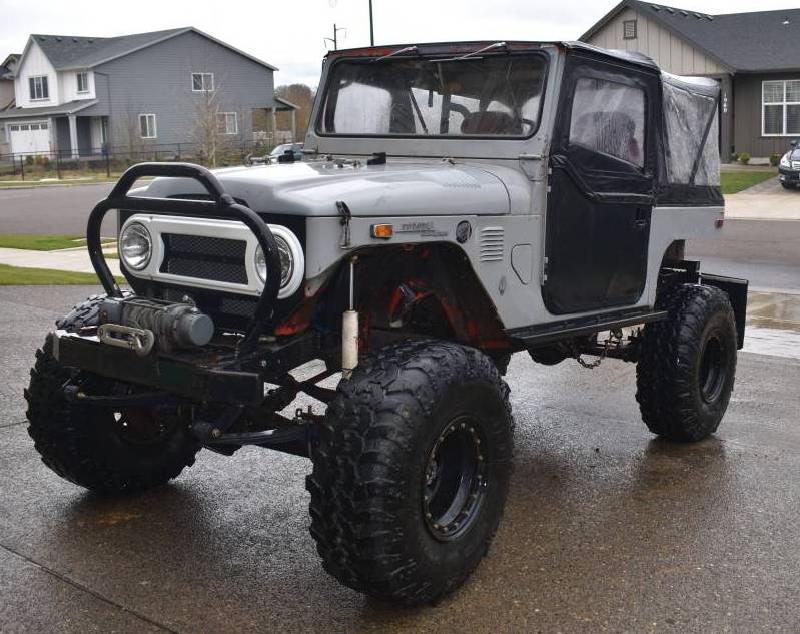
(104, 451)
(687, 364)
(411, 471)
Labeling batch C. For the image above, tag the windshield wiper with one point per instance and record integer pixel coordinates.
(474, 53)
(407, 49)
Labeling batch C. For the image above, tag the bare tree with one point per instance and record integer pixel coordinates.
(218, 123)
(128, 130)
(303, 97)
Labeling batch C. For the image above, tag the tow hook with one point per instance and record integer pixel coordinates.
(139, 340)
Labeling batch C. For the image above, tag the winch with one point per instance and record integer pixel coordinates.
(141, 324)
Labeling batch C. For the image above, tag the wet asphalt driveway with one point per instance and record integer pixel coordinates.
(605, 529)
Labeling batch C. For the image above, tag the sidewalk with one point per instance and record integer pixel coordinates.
(765, 201)
(76, 259)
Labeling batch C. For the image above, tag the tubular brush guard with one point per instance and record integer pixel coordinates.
(221, 205)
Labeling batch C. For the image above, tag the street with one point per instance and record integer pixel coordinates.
(606, 529)
(763, 251)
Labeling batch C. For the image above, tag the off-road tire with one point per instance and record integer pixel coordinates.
(788, 185)
(369, 470)
(687, 364)
(80, 443)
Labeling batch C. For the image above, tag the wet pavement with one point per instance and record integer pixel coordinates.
(606, 529)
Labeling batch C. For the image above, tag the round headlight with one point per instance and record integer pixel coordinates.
(287, 261)
(135, 246)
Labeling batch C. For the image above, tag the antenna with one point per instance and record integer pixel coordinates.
(334, 40)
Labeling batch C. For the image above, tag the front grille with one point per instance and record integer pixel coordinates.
(796, 165)
(204, 257)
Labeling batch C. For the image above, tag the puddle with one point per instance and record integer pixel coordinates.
(773, 324)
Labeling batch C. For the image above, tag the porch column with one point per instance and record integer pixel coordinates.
(274, 125)
(53, 138)
(294, 125)
(73, 135)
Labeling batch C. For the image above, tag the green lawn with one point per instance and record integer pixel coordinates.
(43, 242)
(23, 275)
(736, 181)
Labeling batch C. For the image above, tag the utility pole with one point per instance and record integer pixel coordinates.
(371, 36)
(334, 39)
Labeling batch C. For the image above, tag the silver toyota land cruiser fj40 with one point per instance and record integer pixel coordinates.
(459, 203)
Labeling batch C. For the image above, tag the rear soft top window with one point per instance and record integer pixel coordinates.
(692, 145)
(496, 96)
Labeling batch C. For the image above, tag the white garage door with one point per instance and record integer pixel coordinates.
(29, 138)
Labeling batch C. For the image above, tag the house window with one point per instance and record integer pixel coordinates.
(226, 123)
(202, 82)
(83, 82)
(780, 107)
(38, 87)
(629, 29)
(147, 126)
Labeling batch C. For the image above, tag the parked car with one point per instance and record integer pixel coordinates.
(789, 167)
(283, 153)
(280, 150)
(465, 202)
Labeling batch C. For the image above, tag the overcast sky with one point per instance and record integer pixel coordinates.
(290, 34)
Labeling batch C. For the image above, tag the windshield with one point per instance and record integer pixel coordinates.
(493, 96)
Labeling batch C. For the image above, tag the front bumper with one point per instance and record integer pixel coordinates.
(789, 175)
(199, 377)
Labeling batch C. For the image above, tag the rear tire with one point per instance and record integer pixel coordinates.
(687, 364)
(411, 471)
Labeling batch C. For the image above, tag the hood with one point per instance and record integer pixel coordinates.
(312, 188)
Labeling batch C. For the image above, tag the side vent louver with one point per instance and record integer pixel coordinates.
(492, 243)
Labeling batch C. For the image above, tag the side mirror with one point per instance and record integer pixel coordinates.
(793, 143)
(286, 157)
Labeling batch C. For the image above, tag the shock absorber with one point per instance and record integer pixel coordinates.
(350, 331)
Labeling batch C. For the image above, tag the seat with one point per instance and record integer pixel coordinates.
(491, 123)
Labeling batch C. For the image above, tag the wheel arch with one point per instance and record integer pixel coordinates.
(426, 289)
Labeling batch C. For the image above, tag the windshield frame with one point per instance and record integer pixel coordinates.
(318, 131)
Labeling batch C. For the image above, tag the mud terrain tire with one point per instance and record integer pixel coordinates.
(386, 512)
(87, 445)
(687, 364)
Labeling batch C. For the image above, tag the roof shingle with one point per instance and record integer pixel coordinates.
(745, 42)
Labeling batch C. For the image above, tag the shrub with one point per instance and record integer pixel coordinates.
(774, 159)
(744, 158)
(29, 160)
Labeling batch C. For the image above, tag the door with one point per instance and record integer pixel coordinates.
(601, 188)
(29, 138)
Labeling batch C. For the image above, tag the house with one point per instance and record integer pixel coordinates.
(170, 90)
(7, 93)
(753, 55)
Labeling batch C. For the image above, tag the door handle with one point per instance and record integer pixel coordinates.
(639, 224)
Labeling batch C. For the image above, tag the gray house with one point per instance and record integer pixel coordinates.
(755, 56)
(148, 91)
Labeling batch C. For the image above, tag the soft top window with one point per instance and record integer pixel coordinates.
(692, 145)
(608, 117)
(492, 96)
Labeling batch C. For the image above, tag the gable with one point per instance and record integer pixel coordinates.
(672, 52)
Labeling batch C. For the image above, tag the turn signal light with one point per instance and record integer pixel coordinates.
(382, 231)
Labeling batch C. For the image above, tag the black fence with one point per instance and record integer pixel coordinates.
(107, 162)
